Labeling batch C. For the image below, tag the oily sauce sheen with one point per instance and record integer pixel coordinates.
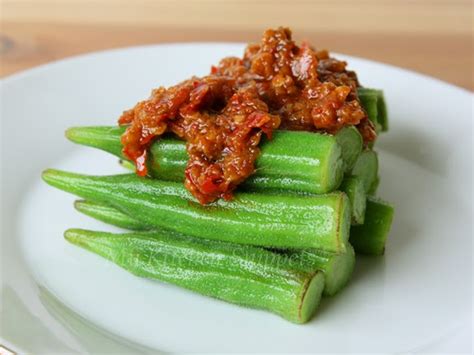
(222, 116)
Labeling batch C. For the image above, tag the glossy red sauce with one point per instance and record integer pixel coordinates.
(222, 116)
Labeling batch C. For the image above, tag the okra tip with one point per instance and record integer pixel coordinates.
(80, 135)
(88, 205)
(51, 175)
(75, 235)
(71, 133)
(84, 133)
(87, 239)
(62, 180)
(87, 134)
(48, 174)
(85, 207)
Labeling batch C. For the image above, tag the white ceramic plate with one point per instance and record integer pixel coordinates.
(59, 298)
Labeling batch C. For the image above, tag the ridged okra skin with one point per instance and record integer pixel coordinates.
(352, 186)
(337, 268)
(370, 237)
(280, 221)
(293, 161)
(244, 275)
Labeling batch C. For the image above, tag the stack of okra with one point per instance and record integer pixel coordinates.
(286, 238)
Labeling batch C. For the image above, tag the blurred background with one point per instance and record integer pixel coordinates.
(433, 37)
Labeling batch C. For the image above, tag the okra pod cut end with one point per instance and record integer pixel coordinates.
(337, 267)
(366, 168)
(351, 143)
(343, 226)
(311, 298)
(354, 188)
(334, 170)
(105, 138)
(298, 162)
(370, 237)
(339, 271)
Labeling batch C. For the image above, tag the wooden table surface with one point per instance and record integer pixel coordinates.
(430, 36)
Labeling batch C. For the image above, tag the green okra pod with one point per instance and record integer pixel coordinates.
(352, 186)
(280, 221)
(294, 161)
(244, 275)
(337, 268)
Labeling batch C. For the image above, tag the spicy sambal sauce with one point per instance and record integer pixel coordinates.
(222, 116)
